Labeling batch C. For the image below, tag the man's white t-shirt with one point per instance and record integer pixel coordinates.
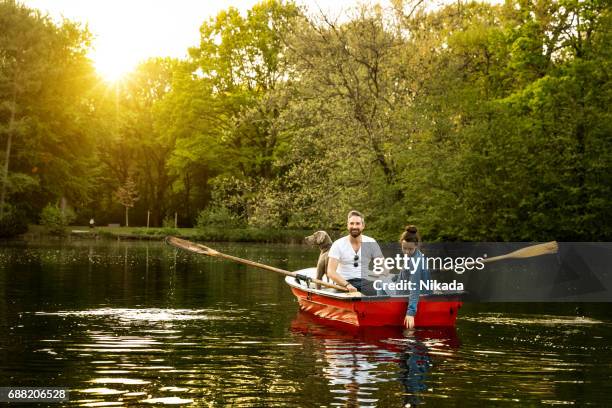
(342, 250)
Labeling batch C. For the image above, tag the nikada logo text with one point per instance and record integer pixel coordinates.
(423, 285)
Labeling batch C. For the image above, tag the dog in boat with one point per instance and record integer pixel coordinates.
(324, 242)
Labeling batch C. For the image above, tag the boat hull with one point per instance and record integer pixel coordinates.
(434, 311)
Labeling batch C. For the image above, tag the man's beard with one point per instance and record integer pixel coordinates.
(355, 233)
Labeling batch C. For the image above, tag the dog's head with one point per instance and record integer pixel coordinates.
(318, 238)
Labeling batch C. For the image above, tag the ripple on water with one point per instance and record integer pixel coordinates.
(168, 401)
(153, 315)
(544, 320)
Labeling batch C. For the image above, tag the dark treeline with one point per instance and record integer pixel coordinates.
(474, 121)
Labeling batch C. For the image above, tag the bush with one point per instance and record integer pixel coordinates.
(168, 222)
(13, 223)
(55, 221)
(219, 217)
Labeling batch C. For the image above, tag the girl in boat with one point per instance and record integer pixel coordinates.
(410, 240)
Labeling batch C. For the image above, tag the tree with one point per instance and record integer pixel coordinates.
(344, 116)
(511, 121)
(223, 105)
(139, 144)
(241, 59)
(127, 195)
(44, 108)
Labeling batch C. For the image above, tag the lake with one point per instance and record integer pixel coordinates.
(133, 323)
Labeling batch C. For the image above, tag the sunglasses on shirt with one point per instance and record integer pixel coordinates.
(356, 259)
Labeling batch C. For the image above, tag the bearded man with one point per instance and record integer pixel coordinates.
(348, 254)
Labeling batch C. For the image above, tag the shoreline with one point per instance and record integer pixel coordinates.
(262, 235)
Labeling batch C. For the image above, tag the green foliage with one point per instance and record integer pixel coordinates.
(474, 121)
(13, 223)
(168, 226)
(168, 222)
(217, 217)
(168, 231)
(45, 108)
(55, 220)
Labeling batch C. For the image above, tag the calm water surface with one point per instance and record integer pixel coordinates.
(131, 324)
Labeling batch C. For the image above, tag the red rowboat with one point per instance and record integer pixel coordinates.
(433, 310)
(335, 304)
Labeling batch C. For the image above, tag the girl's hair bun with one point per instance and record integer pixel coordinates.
(410, 234)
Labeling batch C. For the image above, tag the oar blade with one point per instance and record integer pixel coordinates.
(537, 250)
(528, 252)
(190, 246)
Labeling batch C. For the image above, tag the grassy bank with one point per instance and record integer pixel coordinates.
(195, 234)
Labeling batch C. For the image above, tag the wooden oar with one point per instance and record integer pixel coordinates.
(204, 250)
(528, 252)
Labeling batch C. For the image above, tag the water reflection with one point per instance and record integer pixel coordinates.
(128, 316)
(132, 324)
(154, 356)
(359, 360)
(137, 354)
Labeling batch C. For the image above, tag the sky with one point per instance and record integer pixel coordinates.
(127, 32)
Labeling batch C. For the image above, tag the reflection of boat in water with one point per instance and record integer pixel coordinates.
(360, 360)
(433, 310)
(308, 324)
(387, 337)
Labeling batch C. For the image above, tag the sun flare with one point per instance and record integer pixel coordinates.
(112, 67)
(126, 33)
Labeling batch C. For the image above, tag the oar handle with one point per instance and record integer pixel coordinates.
(204, 250)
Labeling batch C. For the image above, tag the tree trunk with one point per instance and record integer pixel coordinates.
(7, 155)
(127, 223)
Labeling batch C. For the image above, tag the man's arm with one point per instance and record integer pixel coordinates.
(332, 273)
